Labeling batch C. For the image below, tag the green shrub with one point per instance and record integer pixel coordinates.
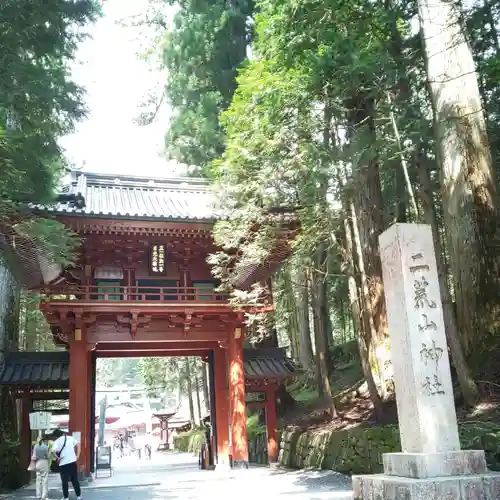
(190, 441)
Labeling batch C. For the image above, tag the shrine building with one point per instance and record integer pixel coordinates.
(142, 287)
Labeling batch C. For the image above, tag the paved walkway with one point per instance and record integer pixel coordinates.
(175, 476)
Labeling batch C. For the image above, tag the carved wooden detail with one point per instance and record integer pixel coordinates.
(134, 320)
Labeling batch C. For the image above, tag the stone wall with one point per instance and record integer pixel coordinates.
(257, 447)
(359, 450)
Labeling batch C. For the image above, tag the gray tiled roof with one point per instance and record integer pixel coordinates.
(36, 369)
(267, 363)
(140, 198)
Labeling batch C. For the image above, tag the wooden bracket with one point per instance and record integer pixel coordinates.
(134, 321)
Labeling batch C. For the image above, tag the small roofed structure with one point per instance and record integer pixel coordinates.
(267, 365)
(266, 368)
(164, 417)
(37, 380)
(36, 371)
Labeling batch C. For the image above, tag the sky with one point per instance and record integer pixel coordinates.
(117, 81)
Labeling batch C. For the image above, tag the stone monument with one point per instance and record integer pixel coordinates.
(431, 466)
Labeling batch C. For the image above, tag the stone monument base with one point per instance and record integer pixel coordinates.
(383, 487)
(456, 475)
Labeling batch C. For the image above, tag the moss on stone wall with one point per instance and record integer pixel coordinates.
(359, 450)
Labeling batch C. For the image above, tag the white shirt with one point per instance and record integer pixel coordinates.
(68, 454)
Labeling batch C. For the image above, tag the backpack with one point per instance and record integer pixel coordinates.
(41, 452)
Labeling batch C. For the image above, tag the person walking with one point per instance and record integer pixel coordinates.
(41, 459)
(67, 452)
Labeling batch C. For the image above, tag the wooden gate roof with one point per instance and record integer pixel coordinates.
(42, 370)
(135, 197)
(268, 363)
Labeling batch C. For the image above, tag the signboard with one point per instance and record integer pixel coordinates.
(103, 459)
(40, 420)
(255, 397)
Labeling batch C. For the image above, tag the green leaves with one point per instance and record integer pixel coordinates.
(39, 102)
(202, 54)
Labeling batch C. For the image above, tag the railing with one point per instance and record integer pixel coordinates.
(104, 293)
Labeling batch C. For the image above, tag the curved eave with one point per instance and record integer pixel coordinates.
(82, 214)
(29, 264)
(245, 275)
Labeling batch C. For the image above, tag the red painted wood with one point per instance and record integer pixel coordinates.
(222, 406)
(153, 353)
(271, 426)
(79, 399)
(173, 336)
(145, 346)
(103, 294)
(143, 227)
(237, 396)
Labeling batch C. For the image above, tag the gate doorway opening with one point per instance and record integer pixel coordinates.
(141, 401)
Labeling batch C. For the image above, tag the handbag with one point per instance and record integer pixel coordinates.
(32, 465)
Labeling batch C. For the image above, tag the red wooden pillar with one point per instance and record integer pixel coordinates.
(79, 397)
(239, 439)
(271, 425)
(90, 413)
(221, 407)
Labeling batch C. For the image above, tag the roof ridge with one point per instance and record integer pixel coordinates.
(142, 178)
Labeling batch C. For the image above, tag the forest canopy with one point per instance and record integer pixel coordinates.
(359, 114)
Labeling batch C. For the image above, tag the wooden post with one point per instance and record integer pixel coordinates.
(25, 434)
(222, 407)
(239, 439)
(271, 425)
(79, 398)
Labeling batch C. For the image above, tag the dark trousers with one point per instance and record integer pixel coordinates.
(69, 473)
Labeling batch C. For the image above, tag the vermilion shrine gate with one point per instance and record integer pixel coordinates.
(142, 287)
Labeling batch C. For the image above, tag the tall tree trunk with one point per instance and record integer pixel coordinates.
(198, 401)
(369, 324)
(285, 301)
(465, 379)
(369, 210)
(322, 372)
(190, 391)
(468, 178)
(322, 325)
(356, 316)
(204, 381)
(306, 355)
(9, 328)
